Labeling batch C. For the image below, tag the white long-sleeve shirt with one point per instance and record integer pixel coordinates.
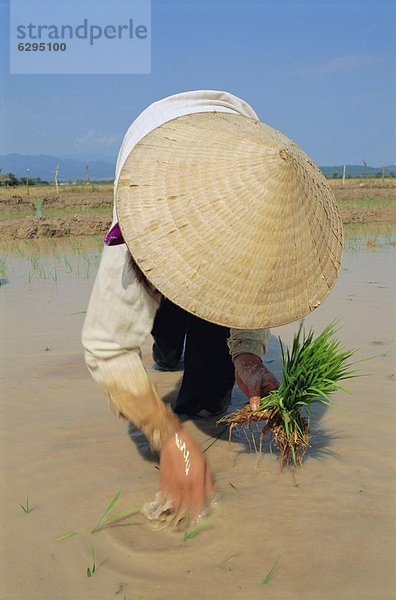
(121, 310)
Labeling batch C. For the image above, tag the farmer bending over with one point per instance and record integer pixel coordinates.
(222, 227)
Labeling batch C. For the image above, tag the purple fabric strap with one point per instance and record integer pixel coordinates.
(114, 237)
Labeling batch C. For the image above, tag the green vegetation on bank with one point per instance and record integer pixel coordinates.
(367, 202)
(43, 188)
(26, 211)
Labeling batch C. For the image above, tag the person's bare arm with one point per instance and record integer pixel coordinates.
(119, 318)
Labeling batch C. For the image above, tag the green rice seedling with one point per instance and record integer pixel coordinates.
(3, 267)
(34, 260)
(38, 203)
(312, 369)
(102, 518)
(271, 572)
(105, 520)
(68, 266)
(65, 536)
(25, 507)
(190, 535)
(119, 516)
(91, 570)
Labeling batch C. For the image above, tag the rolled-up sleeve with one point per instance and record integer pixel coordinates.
(119, 318)
(253, 341)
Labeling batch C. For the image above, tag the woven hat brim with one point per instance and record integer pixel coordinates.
(231, 220)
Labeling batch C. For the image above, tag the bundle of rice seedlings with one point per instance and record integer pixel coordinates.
(312, 369)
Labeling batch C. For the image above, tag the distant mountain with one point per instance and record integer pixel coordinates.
(91, 157)
(42, 165)
(72, 169)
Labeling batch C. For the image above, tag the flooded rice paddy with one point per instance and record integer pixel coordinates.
(330, 525)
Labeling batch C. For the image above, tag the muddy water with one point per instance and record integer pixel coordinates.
(331, 525)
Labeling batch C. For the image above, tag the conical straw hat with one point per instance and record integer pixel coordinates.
(230, 219)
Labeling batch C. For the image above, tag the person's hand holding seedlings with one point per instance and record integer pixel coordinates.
(185, 476)
(254, 379)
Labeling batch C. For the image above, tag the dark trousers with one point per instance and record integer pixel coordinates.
(208, 368)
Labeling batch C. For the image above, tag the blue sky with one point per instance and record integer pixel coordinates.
(320, 71)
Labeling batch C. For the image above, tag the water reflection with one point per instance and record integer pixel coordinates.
(369, 236)
(48, 259)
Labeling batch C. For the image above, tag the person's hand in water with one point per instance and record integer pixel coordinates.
(185, 476)
(254, 379)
